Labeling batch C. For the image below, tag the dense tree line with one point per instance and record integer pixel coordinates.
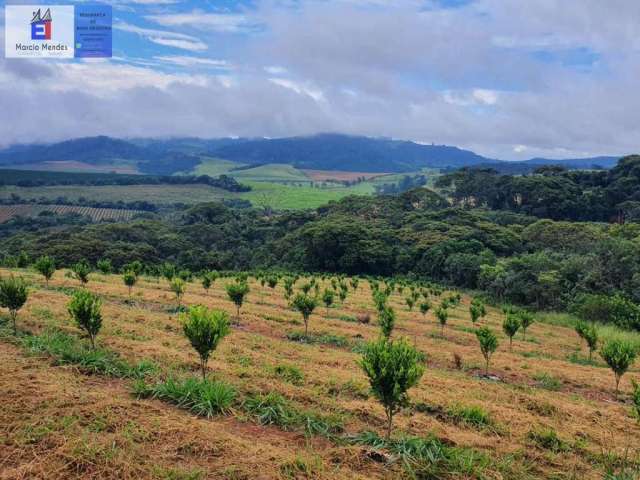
(553, 192)
(25, 178)
(407, 183)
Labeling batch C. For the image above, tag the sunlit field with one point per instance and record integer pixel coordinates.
(544, 410)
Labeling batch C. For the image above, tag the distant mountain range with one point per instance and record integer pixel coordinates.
(317, 152)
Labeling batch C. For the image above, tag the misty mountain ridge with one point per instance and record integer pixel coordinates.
(327, 151)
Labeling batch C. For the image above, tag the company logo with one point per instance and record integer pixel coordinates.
(41, 25)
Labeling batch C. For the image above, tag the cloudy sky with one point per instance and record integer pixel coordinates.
(505, 78)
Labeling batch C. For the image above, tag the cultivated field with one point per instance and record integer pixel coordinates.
(549, 415)
(323, 175)
(7, 212)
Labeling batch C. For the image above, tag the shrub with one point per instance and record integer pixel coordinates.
(474, 312)
(84, 308)
(526, 320)
(510, 326)
(392, 368)
(488, 344)
(206, 281)
(387, 321)
(607, 309)
(178, 287)
(410, 301)
(104, 265)
(129, 278)
(589, 333)
(236, 292)
(619, 355)
(305, 305)
(46, 267)
(443, 315)
(425, 307)
(168, 271)
(81, 271)
(327, 299)
(205, 329)
(13, 296)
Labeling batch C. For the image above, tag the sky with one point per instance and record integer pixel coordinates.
(508, 79)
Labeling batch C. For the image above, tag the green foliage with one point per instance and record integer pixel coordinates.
(321, 339)
(473, 415)
(205, 398)
(207, 281)
(475, 313)
(327, 298)
(129, 278)
(105, 266)
(548, 381)
(81, 271)
(526, 320)
(386, 321)
(205, 329)
(429, 458)
(273, 409)
(236, 292)
(178, 287)
(607, 309)
(392, 369)
(548, 439)
(304, 304)
(488, 344)
(589, 333)
(510, 327)
(290, 373)
(136, 267)
(270, 409)
(13, 296)
(410, 301)
(85, 308)
(46, 267)
(635, 399)
(442, 314)
(619, 355)
(68, 350)
(425, 307)
(168, 271)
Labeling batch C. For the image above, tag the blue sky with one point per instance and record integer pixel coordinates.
(506, 78)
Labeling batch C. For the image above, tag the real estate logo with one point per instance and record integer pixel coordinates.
(41, 25)
(80, 31)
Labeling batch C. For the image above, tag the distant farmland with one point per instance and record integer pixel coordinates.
(7, 212)
(324, 175)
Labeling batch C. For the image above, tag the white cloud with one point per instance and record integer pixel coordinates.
(164, 37)
(466, 76)
(185, 61)
(299, 88)
(219, 22)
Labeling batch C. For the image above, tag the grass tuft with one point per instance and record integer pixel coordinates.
(205, 398)
(67, 349)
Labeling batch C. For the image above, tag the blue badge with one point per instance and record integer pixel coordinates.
(93, 31)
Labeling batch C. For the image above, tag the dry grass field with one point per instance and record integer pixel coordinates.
(59, 422)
